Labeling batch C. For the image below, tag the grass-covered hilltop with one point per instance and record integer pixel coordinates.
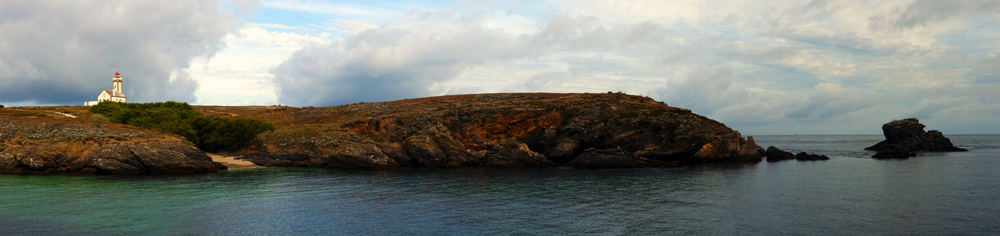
(70, 139)
(608, 130)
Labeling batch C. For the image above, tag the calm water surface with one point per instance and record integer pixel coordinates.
(933, 194)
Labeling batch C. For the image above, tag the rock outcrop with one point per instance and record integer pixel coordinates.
(774, 154)
(46, 148)
(802, 156)
(610, 130)
(894, 154)
(906, 136)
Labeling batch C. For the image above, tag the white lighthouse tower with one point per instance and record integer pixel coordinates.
(117, 83)
(114, 94)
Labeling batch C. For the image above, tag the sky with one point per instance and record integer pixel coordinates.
(760, 67)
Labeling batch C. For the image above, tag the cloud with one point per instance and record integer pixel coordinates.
(545, 81)
(828, 100)
(709, 90)
(929, 107)
(64, 52)
(848, 63)
(238, 74)
(246, 7)
(924, 12)
(423, 56)
(390, 62)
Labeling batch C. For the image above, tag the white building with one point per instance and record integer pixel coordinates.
(115, 94)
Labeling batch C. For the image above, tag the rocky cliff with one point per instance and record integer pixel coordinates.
(903, 137)
(609, 130)
(35, 143)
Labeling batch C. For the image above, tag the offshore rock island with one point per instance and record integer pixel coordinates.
(610, 130)
(903, 138)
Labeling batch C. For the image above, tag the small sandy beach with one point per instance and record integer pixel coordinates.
(232, 162)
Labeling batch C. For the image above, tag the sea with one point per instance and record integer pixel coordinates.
(954, 193)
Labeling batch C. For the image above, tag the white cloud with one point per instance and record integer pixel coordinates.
(64, 52)
(754, 66)
(238, 75)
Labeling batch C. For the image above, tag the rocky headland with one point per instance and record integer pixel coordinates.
(903, 138)
(42, 145)
(607, 130)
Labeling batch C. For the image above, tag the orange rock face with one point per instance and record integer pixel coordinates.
(498, 130)
(32, 148)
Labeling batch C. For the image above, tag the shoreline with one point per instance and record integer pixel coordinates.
(232, 162)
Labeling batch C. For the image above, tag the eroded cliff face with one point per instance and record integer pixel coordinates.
(494, 130)
(41, 147)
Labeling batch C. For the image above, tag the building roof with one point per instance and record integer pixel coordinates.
(113, 93)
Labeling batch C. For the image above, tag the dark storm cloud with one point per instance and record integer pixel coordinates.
(65, 52)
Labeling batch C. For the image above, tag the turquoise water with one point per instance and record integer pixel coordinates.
(933, 194)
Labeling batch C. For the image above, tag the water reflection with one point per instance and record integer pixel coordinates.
(930, 194)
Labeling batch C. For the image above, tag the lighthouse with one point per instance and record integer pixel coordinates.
(114, 94)
(117, 83)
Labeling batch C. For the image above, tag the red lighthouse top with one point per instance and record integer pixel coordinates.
(117, 75)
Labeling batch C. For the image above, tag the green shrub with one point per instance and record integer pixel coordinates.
(228, 133)
(451, 126)
(656, 113)
(629, 115)
(640, 106)
(99, 117)
(607, 116)
(209, 133)
(1, 105)
(506, 110)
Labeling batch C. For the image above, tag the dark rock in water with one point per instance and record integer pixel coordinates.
(894, 154)
(615, 158)
(774, 154)
(802, 156)
(907, 135)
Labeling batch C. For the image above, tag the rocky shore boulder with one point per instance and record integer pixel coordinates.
(894, 154)
(902, 137)
(802, 156)
(774, 154)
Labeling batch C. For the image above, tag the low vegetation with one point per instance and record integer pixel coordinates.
(209, 133)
